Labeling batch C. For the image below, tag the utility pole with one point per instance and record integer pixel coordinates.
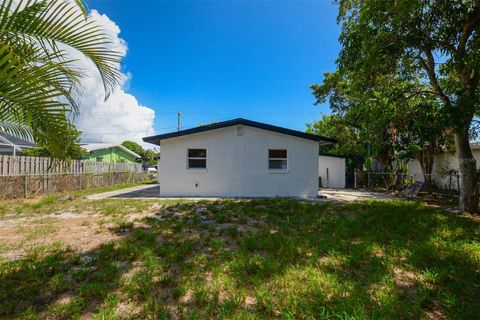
(179, 114)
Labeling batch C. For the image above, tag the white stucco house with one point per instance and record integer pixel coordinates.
(331, 170)
(238, 158)
(443, 165)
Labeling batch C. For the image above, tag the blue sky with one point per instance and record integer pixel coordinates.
(217, 60)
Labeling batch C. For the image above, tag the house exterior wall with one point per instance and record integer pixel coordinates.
(414, 169)
(335, 178)
(237, 166)
(448, 161)
(158, 170)
(442, 162)
(111, 155)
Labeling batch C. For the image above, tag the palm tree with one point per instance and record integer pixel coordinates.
(39, 83)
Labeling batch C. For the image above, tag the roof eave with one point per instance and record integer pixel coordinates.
(129, 151)
(157, 138)
(113, 146)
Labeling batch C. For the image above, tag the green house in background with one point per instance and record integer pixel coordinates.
(109, 153)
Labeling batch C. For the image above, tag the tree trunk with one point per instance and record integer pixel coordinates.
(469, 196)
(426, 162)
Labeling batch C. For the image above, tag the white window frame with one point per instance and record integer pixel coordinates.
(196, 158)
(278, 170)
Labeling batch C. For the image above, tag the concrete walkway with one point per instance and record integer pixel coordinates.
(140, 192)
(351, 195)
(153, 192)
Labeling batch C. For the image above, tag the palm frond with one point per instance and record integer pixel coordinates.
(54, 22)
(17, 130)
(39, 82)
(31, 96)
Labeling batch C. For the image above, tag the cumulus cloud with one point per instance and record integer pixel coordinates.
(119, 118)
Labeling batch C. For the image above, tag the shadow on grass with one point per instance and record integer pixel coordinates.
(261, 259)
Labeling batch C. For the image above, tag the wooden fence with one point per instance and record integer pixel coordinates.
(22, 176)
(24, 165)
(22, 186)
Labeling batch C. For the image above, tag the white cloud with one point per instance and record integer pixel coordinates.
(119, 118)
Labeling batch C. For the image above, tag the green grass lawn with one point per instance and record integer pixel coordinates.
(259, 259)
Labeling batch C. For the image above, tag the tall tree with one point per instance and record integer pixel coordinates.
(438, 38)
(383, 121)
(39, 81)
(151, 157)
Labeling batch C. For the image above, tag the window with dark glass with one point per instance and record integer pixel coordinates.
(277, 159)
(197, 158)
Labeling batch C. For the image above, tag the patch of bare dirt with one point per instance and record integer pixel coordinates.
(187, 297)
(79, 232)
(436, 314)
(406, 280)
(250, 302)
(127, 308)
(64, 298)
(154, 210)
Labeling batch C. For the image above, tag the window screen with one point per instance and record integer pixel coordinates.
(277, 159)
(197, 159)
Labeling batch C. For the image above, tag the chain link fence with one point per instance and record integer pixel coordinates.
(399, 181)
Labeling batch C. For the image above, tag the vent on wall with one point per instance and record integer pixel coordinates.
(239, 131)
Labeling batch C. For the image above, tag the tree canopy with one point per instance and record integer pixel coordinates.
(135, 147)
(431, 50)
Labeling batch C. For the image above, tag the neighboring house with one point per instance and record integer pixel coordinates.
(239, 158)
(12, 145)
(445, 164)
(109, 153)
(331, 170)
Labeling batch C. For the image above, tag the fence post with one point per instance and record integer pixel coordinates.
(25, 186)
